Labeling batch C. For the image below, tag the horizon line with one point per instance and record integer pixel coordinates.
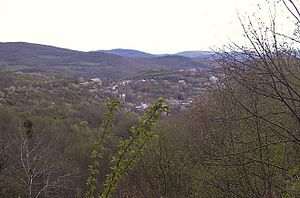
(117, 48)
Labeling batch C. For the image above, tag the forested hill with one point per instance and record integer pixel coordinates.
(29, 57)
(128, 53)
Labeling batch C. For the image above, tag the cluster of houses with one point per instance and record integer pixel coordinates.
(180, 90)
(137, 94)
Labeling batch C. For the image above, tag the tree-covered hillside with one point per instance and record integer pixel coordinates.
(238, 134)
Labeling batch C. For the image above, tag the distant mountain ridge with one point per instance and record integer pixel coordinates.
(28, 57)
(141, 54)
(128, 53)
(196, 54)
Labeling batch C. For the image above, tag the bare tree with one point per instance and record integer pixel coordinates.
(37, 165)
(262, 84)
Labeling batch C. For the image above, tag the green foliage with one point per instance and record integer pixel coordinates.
(97, 153)
(293, 182)
(130, 150)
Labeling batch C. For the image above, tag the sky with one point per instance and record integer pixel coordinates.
(154, 26)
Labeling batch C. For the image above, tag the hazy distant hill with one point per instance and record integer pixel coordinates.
(141, 54)
(197, 54)
(29, 57)
(128, 53)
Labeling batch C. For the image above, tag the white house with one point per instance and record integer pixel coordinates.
(213, 79)
(97, 80)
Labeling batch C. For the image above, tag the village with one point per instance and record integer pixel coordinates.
(180, 89)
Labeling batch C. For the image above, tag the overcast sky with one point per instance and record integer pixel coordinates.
(155, 26)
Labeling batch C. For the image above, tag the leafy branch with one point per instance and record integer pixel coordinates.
(130, 150)
(112, 107)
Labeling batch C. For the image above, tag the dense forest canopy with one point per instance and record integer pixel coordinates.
(241, 137)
